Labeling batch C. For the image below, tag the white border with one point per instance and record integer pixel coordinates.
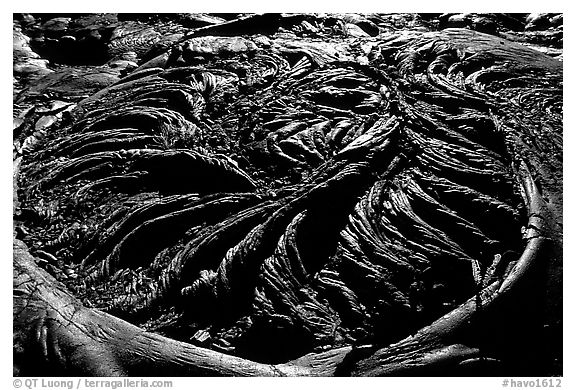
(167, 6)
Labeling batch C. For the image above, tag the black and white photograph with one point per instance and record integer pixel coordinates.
(313, 194)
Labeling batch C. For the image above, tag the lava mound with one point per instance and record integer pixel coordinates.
(284, 195)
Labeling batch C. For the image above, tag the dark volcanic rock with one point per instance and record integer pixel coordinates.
(336, 194)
